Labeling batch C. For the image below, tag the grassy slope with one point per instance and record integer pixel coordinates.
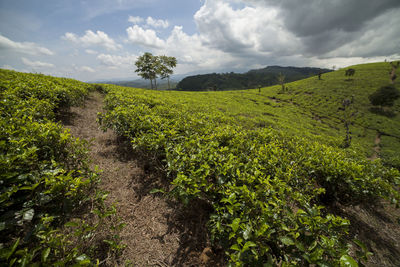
(308, 109)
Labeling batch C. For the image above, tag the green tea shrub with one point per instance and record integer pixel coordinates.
(267, 189)
(44, 174)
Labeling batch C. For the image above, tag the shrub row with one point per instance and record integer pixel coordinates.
(267, 190)
(44, 171)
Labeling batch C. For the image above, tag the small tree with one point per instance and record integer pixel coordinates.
(350, 72)
(149, 67)
(392, 73)
(348, 114)
(166, 66)
(384, 96)
(146, 67)
(281, 80)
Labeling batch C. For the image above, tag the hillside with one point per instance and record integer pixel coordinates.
(311, 108)
(264, 174)
(272, 166)
(252, 79)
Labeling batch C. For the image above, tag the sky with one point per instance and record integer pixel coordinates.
(101, 39)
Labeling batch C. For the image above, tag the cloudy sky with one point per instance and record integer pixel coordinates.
(101, 39)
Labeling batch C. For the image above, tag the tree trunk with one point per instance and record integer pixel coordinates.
(393, 76)
(347, 140)
(151, 84)
(155, 83)
(168, 83)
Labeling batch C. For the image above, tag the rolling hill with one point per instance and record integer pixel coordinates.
(254, 78)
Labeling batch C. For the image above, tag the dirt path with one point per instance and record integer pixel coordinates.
(377, 148)
(158, 232)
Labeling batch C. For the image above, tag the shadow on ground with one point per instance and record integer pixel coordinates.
(383, 112)
(188, 222)
(377, 226)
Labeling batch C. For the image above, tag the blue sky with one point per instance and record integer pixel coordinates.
(93, 40)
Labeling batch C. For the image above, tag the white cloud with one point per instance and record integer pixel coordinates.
(341, 62)
(91, 52)
(85, 69)
(24, 47)
(138, 35)
(135, 20)
(93, 38)
(250, 30)
(190, 50)
(117, 61)
(157, 23)
(36, 64)
(231, 35)
(70, 37)
(229, 38)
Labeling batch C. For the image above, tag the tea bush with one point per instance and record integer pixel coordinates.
(267, 189)
(44, 173)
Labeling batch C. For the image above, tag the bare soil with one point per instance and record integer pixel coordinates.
(378, 227)
(377, 148)
(159, 231)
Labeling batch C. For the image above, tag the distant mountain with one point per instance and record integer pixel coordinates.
(141, 83)
(162, 84)
(235, 81)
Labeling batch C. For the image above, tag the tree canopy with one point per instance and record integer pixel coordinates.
(384, 96)
(151, 67)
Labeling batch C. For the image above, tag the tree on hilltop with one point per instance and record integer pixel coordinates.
(146, 67)
(151, 67)
(281, 80)
(166, 66)
(348, 117)
(384, 96)
(392, 73)
(350, 72)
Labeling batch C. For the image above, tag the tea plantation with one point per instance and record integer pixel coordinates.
(267, 162)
